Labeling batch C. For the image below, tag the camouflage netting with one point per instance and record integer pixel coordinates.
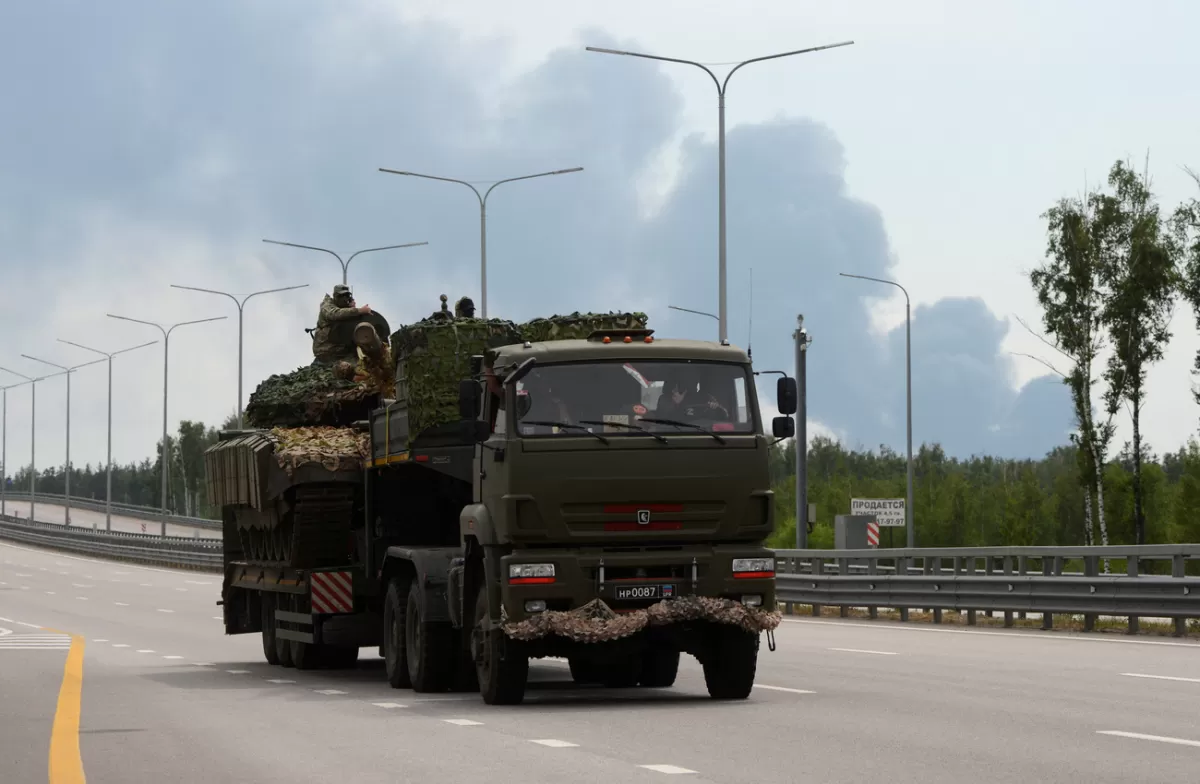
(310, 396)
(597, 622)
(433, 355)
(334, 448)
(579, 325)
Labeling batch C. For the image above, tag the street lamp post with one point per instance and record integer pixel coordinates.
(697, 312)
(241, 308)
(4, 445)
(721, 87)
(345, 264)
(166, 333)
(908, 505)
(108, 477)
(66, 371)
(803, 340)
(483, 216)
(32, 432)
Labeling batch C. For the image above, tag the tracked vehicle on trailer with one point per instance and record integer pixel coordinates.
(570, 487)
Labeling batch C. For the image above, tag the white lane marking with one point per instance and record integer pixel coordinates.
(196, 582)
(64, 573)
(81, 585)
(202, 664)
(21, 623)
(463, 722)
(388, 705)
(1160, 677)
(1159, 738)
(145, 650)
(176, 572)
(49, 593)
(166, 611)
(238, 672)
(99, 640)
(172, 657)
(666, 769)
(860, 650)
(279, 680)
(121, 604)
(82, 598)
(1016, 634)
(3, 583)
(120, 645)
(217, 618)
(181, 590)
(4, 631)
(120, 572)
(555, 744)
(19, 574)
(328, 691)
(145, 585)
(782, 688)
(24, 587)
(441, 699)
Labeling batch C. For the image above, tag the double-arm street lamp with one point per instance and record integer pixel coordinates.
(66, 371)
(483, 197)
(166, 457)
(697, 312)
(241, 308)
(4, 444)
(32, 382)
(108, 477)
(721, 88)
(346, 263)
(908, 505)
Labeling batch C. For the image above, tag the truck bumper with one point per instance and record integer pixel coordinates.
(628, 581)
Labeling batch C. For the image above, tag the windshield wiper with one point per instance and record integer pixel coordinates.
(626, 426)
(677, 423)
(548, 423)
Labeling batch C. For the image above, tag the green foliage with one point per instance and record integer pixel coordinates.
(308, 396)
(1185, 237)
(985, 501)
(579, 325)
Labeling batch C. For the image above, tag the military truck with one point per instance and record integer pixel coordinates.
(599, 495)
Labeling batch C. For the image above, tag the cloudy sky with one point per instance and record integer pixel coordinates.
(146, 143)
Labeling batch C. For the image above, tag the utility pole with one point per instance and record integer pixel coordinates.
(802, 341)
(721, 89)
(108, 473)
(483, 197)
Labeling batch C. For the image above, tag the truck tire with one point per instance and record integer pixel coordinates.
(429, 647)
(270, 649)
(394, 659)
(283, 648)
(582, 671)
(660, 666)
(730, 664)
(502, 669)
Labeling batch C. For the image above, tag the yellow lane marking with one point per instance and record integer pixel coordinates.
(66, 764)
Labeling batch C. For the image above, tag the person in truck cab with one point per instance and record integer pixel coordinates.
(685, 398)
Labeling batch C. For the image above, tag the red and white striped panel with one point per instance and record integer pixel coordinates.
(332, 592)
(872, 534)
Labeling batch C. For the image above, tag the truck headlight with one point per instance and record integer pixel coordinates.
(527, 574)
(744, 568)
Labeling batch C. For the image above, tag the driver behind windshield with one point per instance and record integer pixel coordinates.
(685, 398)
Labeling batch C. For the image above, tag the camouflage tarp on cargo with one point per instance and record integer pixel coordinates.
(579, 325)
(597, 622)
(335, 448)
(433, 355)
(309, 396)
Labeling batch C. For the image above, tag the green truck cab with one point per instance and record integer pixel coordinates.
(605, 500)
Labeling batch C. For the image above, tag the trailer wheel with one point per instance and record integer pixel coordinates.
(730, 664)
(270, 648)
(429, 647)
(283, 648)
(393, 639)
(502, 670)
(660, 666)
(305, 655)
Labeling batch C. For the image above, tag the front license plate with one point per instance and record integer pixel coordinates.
(645, 591)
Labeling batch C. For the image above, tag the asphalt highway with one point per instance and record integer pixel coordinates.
(86, 518)
(165, 695)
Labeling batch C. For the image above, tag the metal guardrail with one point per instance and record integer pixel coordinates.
(176, 551)
(125, 510)
(1008, 579)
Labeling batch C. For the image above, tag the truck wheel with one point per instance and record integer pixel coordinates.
(341, 657)
(502, 670)
(283, 648)
(429, 647)
(270, 649)
(730, 664)
(393, 639)
(660, 666)
(582, 671)
(305, 655)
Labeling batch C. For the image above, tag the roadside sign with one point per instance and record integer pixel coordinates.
(888, 511)
(872, 534)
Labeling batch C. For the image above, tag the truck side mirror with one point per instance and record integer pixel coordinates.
(783, 427)
(469, 396)
(785, 393)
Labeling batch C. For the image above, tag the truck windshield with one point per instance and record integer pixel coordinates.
(620, 399)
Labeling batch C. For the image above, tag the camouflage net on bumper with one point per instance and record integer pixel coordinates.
(597, 622)
(334, 448)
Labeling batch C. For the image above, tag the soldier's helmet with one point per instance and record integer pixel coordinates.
(341, 293)
(464, 308)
